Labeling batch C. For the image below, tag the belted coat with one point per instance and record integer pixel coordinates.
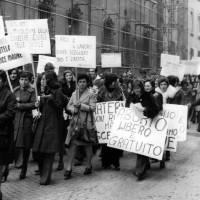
(23, 135)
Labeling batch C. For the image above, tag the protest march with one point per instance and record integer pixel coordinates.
(45, 111)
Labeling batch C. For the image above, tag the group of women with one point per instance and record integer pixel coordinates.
(61, 110)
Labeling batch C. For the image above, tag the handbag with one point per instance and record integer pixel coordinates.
(88, 135)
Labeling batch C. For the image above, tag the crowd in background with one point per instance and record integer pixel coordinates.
(47, 124)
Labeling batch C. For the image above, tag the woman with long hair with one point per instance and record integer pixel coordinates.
(48, 137)
(7, 114)
(82, 106)
(14, 76)
(68, 86)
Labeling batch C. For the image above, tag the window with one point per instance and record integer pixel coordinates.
(192, 22)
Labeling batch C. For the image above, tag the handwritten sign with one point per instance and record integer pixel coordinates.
(76, 51)
(173, 69)
(9, 59)
(104, 118)
(169, 58)
(191, 67)
(43, 60)
(111, 60)
(2, 31)
(145, 137)
(29, 36)
(177, 115)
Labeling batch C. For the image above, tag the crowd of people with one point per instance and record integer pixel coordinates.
(49, 122)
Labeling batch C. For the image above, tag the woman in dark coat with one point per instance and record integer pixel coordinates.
(23, 136)
(14, 77)
(48, 138)
(151, 109)
(7, 113)
(110, 92)
(68, 86)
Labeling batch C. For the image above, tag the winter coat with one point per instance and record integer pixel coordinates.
(104, 96)
(48, 137)
(159, 99)
(177, 98)
(66, 90)
(7, 114)
(132, 98)
(88, 101)
(148, 101)
(23, 135)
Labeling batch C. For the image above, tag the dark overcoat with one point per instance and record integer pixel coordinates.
(7, 114)
(23, 135)
(48, 138)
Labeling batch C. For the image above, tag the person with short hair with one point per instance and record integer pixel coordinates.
(82, 104)
(93, 74)
(24, 137)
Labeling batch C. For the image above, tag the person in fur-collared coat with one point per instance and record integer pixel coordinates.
(23, 136)
(110, 92)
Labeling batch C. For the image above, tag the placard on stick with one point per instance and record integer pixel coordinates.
(145, 137)
(173, 69)
(43, 60)
(191, 67)
(76, 51)
(104, 118)
(169, 58)
(2, 31)
(111, 60)
(29, 36)
(9, 59)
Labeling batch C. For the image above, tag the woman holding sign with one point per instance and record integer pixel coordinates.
(110, 92)
(7, 114)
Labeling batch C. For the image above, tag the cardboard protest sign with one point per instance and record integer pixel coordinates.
(173, 69)
(43, 60)
(104, 118)
(30, 36)
(10, 60)
(191, 67)
(169, 58)
(145, 137)
(111, 60)
(177, 115)
(76, 51)
(2, 31)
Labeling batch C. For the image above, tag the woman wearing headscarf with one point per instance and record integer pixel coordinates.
(110, 92)
(49, 133)
(7, 113)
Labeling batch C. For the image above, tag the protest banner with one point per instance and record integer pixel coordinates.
(177, 115)
(104, 118)
(191, 67)
(30, 36)
(111, 60)
(2, 31)
(169, 58)
(10, 60)
(173, 69)
(43, 60)
(145, 137)
(76, 51)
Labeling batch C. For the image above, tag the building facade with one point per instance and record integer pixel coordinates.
(135, 28)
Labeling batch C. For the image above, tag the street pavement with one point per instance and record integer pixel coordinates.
(179, 180)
